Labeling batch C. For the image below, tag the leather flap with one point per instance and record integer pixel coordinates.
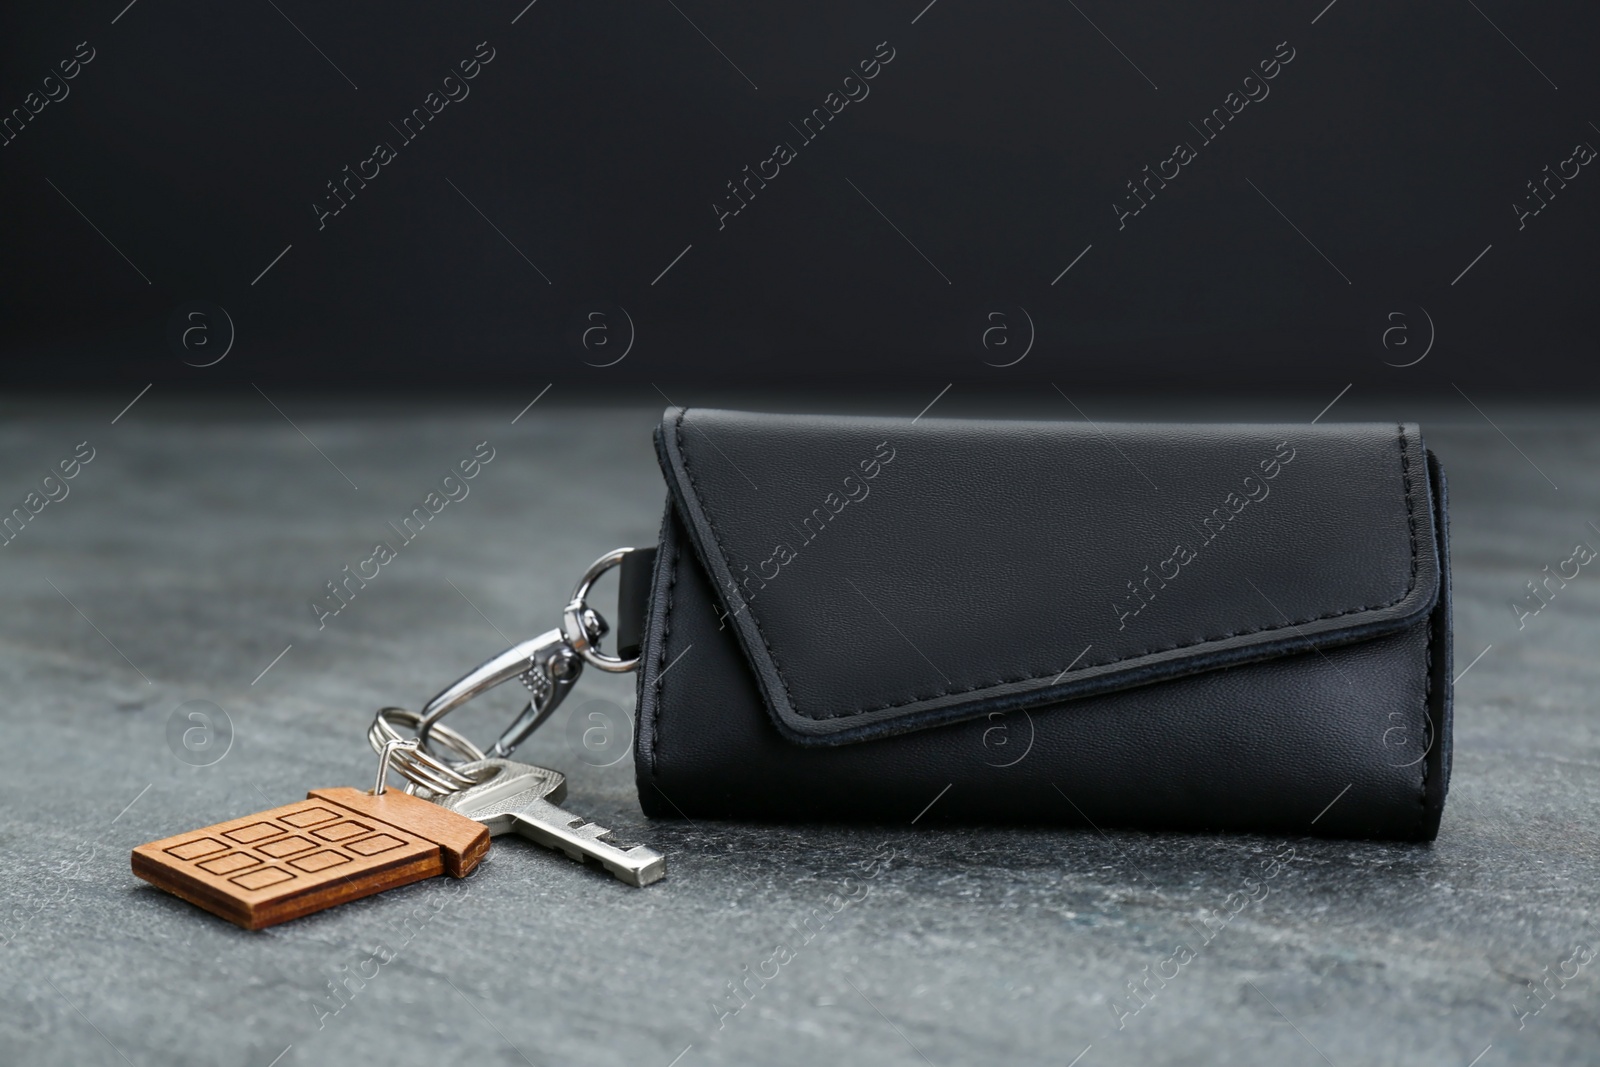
(886, 575)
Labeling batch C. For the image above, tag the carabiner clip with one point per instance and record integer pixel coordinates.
(546, 664)
(549, 665)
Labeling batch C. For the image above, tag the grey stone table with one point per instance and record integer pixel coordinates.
(175, 577)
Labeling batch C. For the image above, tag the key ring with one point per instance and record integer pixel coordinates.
(413, 763)
(548, 665)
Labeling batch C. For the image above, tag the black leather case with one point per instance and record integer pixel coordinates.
(1219, 627)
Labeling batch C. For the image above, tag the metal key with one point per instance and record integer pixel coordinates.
(521, 797)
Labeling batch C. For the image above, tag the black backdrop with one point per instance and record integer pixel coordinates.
(560, 213)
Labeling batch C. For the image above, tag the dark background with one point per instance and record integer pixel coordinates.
(596, 141)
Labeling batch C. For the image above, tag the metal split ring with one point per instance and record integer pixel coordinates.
(416, 765)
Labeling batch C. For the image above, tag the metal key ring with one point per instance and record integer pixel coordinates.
(575, 620)
(416, 765)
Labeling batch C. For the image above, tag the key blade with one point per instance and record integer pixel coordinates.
(543, 823)
(523, 798)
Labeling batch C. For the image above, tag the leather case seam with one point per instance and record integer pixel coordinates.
(661, 682)
(1411, 584)
(1427, 722)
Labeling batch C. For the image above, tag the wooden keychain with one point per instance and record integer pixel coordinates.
(337, 845)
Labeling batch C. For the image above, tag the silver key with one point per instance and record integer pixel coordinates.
(521, 797)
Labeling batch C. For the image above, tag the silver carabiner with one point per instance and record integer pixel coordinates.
(548, 665)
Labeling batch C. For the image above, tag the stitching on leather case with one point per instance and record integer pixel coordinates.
(1435, 730)
(1411, 584)
(661, 685)
(1427, 721)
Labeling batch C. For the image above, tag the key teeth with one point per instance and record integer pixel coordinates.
(534, 811)
(639, 875)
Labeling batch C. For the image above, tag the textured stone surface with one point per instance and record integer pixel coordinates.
(195, 537)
